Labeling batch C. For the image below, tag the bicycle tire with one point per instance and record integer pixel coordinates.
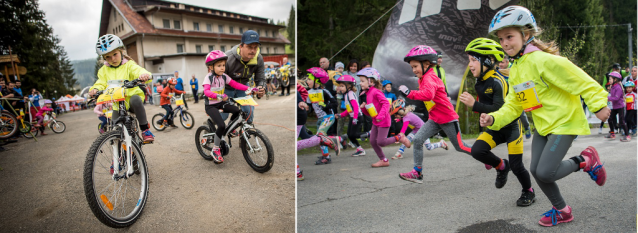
(270, 160)
(56, 130)
(10, 126)
(204, 150)
(32, 133)
(188, 116)
(154, 120)
(89, 184)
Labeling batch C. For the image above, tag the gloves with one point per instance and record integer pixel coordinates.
(404, 90)
(221, 97)
(354, 121)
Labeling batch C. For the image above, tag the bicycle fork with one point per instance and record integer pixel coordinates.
(116, 155)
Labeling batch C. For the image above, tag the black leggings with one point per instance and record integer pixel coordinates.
(169, 113)
(213, 113)
(354, 131)
(613, 121)
(631, 119)
(285, 88)
(303, 133)
(136, 105)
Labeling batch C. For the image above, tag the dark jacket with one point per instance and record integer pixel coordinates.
(241, 72)
(491, 90)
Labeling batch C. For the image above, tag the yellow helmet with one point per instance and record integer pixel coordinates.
(485, 47)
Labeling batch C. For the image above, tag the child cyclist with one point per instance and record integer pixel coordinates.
(100, 110)
(378, 108)
(165, 102)
(492, 89)
(549, 86)
(323, 104)
(214, 85)
(119, 66)
(347, 86)
(630, 99)
(400, 112)
(422, 59)
(617, 99)
(40, 117)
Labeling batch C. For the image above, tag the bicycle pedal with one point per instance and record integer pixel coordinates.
(151, 142)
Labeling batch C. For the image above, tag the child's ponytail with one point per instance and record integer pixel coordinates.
(550, 47)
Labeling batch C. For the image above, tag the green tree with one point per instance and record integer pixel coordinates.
(291, 27)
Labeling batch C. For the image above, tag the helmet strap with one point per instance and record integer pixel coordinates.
(520, 53)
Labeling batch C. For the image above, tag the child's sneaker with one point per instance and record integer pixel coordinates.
(300, 176)
(344, 142)
(600, 130)
(398, 155)
(501, 175)
(403, 140)
(217, 155)
(593, 166)
(611, 136)
(412, 176)
(323, 160)
(148, 136)
(527, 198)
(625, 138)
(554, 217)
(359, 152)
(381, 163)
(330, 142)
(102, 131)
(444, 145)
(365, 136)
(528, 133)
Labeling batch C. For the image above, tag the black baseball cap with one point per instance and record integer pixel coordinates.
(615, 66)
(250, 37)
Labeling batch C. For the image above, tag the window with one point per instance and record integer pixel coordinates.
(275, 50)
(209, 27)
(230, 29)
(167, 23)
(177, 24)
(259, 31)
(241, 30)
(195, 26)
(180, 48)
(198, 48)
(265, 33)
(223, 47)
(274, 34)
(211, 48)
(114, 15)
(267, 50)
(221, 29)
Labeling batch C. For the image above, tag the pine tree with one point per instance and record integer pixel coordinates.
(291, 28)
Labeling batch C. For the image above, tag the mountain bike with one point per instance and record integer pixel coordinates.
(115, 171)
(8, 125)
(185, 118)
(255, 146)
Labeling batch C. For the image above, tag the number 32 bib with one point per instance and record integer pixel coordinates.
(528, 97)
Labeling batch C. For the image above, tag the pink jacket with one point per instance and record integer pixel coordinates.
(98, 108)
(219, 81)
(42, 110)
(377, 98)
(353, 105)
(431, 88)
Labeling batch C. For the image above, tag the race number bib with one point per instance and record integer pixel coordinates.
(629, 99)
(429, 105)
(108, 114)
(246, 101)
(389, 100)
(179, 101)
(371, 110)
(315, 96)
(193, 86)
(527, 96)
(348, 108)
(111, 95)
(114, 83)
(411, 126)
(217, 90)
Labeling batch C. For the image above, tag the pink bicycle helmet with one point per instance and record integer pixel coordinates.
(318, 74)
(421, 53)
(370, 73)
(615, 75)
(346, 79)
(215, 56)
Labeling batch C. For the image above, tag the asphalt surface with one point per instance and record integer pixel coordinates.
(41, 185)
(458, 194)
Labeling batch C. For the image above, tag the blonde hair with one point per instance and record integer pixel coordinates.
(124, 55)
(406, 110)
(377, 84)
(550, 47)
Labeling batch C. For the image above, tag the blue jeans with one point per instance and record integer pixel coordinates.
(248, 109)
(103, 119)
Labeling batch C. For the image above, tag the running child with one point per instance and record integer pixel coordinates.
(492, 90)
(410, 120)
(322, 102)
(549, 86)
(378, 108)
(422, 59)
(214, 85)
(347, 86)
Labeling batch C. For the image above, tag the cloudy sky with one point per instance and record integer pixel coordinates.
(77, 22)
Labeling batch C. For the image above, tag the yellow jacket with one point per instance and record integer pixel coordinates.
(559, 83)
(127, 71)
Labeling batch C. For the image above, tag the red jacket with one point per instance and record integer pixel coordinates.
(165, 100)
(431, 88)
(303, 92)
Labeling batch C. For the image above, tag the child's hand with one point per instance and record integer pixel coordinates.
(224, 97)
(303, 106)
(603, 114)
(486, 120)
(467, 99)
(144, 77)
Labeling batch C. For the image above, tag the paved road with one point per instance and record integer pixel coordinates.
(41, 182)
(458, 194)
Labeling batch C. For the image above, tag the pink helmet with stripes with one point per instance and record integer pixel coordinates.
(370, 73)
(421, 53)
(318, 74)
(214, 56)
(346, 79)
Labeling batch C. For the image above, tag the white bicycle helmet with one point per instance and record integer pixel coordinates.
(107, 43)
(513, 16)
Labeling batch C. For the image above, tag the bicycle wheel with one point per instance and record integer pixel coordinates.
(57, 126)
(187, 120)
(204, 143)
(8, 125)
(116, 203)
(259, 160)
(158, 117)
(33, 132)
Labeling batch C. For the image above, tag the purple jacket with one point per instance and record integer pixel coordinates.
(617, 96)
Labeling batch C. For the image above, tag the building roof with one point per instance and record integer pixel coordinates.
(133, 13)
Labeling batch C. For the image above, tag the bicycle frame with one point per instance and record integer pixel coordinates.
(240, 121)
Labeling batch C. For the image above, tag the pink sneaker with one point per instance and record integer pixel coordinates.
(412, 176)
(554, 217)
(381, 163)
(217, 155)
(593, 166)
